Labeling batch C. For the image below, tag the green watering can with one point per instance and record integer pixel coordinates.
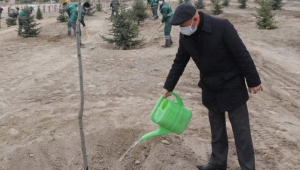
(171, 117)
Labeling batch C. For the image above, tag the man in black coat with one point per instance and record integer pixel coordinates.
(224, 64)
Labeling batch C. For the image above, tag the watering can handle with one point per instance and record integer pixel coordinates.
(178, 98)
(161, 98)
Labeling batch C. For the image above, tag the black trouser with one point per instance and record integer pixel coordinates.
(239, 119)
(22, 22)
(154, 11)
(73, 25)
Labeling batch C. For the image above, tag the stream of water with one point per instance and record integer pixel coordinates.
(132, 146)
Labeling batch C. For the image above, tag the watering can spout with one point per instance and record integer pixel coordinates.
(158, 132)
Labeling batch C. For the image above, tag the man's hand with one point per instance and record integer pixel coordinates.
(165, 93)
(254, 90)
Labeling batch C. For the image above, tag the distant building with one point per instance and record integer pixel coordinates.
(12, 2)
(9, 2)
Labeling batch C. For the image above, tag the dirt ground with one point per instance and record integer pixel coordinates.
(39, 99)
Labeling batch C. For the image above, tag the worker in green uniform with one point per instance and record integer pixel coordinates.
(68, 7)
(1, 9)
(74, 14)
(154, 7)
(114, 5)
(22, 18)
(166, 11)
(15, 12)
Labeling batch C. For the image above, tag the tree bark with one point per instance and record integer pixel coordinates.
(82, 137)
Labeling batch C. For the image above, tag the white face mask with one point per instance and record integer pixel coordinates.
(160, 2)
(188, 30)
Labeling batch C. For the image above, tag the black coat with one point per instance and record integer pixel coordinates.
(223, 61)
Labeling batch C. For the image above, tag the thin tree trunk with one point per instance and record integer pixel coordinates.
(78, 38)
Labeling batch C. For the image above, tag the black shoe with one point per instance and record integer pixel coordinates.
(211, 167)
(166, 46)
